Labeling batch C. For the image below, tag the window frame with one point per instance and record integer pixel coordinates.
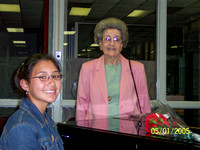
(56, 25)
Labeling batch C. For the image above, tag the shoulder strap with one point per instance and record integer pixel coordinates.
(135, 86)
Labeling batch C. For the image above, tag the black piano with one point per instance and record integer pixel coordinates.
(122, 134)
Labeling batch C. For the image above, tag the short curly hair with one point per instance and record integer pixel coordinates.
(111, 23)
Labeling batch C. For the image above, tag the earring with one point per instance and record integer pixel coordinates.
(27, 92)
(101, 48)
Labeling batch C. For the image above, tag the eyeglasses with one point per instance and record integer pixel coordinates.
(46, 77)
(115, 39)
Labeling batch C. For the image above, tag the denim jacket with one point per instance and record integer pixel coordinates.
(27, 129)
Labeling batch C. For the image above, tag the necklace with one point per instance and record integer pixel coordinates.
(114, 78)
(109, 98)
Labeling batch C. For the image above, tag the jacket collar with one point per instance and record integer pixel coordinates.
(124, 63)
(30, 108)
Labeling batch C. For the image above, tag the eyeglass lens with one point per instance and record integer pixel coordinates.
(115, 39)
(46, 77)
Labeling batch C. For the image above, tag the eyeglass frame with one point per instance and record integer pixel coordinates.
(112, 39)
(48, 77)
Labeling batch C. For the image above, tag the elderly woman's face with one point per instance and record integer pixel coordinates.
(111, 44)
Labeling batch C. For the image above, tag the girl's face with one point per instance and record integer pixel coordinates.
(111, 44)
(41, 93)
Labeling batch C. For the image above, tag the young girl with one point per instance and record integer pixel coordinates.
(31, 128)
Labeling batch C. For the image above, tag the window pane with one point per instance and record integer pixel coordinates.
(186, 114)
(142, 36)
(15, 46)
(183, 50)
(141, 45)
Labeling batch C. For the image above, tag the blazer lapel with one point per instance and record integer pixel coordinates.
(126, 80)
(101, 78)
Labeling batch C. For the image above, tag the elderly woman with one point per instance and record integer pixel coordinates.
(106, 86)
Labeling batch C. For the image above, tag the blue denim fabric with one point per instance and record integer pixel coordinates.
(27, 129)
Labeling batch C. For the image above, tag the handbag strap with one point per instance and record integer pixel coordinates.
(135, 86)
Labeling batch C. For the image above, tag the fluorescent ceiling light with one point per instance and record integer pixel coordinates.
(139, 13)
(94, 45)
(15, 29)
(81, 54)
(9, 8)
(19, 42)
(175, 46)
(88, 50)
(69, 32)
(22, 52)
(20, 45)
(79, 11)
(65, 44)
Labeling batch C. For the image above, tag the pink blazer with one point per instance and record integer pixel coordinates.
(92, 97)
